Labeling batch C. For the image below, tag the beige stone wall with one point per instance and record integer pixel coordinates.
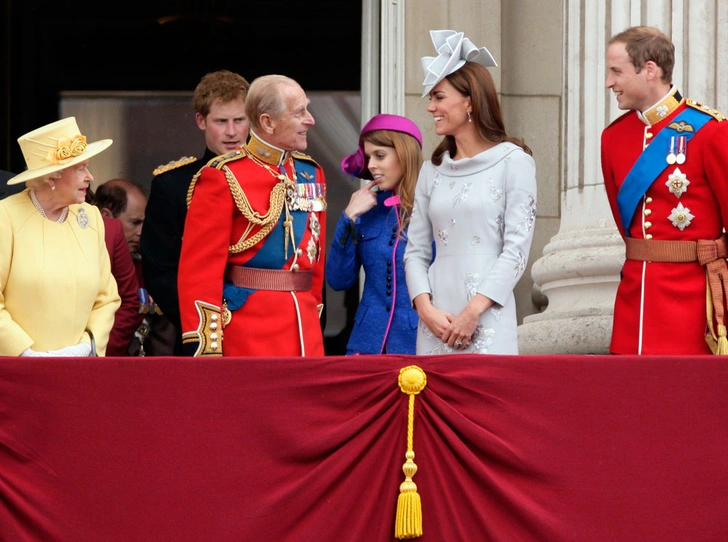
(525, 38)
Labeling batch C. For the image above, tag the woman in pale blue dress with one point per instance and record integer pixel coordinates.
(476, 198)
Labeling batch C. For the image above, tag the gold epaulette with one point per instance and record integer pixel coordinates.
(218, 163)
(174, 164)
(305, 157)
(717, 115)
(223, 159)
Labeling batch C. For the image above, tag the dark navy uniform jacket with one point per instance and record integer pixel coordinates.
(161, 241)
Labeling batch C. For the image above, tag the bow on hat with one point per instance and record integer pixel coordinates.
(453, 49)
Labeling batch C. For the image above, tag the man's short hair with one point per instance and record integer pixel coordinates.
(264, 96)
(223, 85)
(645, 43)
(112, 195)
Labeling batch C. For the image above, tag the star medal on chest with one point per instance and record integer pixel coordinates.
(82, 218)
(677, 183)
(681, 217)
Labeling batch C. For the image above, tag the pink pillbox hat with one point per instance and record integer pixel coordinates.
(356, 164)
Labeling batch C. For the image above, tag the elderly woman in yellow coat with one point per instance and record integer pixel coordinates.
(57, 293)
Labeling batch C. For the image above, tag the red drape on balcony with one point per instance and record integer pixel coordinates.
(515, 448)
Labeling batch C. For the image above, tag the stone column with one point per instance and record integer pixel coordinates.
(579, 270)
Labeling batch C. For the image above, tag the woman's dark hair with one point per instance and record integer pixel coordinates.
(475, 81)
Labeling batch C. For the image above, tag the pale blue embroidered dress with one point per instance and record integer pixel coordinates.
(480, 211)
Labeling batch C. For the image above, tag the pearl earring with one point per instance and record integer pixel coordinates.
(53, 187)
(469, 117)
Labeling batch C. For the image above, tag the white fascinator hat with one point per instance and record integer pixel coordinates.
(453, 49)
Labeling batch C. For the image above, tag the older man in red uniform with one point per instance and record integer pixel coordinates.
(252, 262)
(665, 166)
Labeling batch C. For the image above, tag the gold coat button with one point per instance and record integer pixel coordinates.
(648, 199)
(648, 236)
(648, 225)
(648, 212)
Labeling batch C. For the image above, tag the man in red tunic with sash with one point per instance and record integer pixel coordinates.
(252, 262)
(665, 166)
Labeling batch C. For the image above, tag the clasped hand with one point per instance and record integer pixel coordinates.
(77, 350)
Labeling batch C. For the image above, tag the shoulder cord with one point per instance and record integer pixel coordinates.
(267, 221)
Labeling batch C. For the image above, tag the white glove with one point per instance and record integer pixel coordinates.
(29, 352)
(77, 350)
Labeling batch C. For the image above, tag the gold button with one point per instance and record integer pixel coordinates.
(648, 225)
(294, 268)
(648, 212)
(648, 236)
(648, 200)
(213, 346)
(648, 135)
(213, 336)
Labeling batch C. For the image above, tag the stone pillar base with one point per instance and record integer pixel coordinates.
(578, 275)
(585, 331)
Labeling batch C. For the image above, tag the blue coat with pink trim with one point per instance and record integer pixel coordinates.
(385, 304)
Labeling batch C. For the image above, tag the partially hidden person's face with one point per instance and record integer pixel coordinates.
(289, 130)
(226, 126)
(448, 108)
(384, 165)
(132, 218)
(630, 87)
(73, 184)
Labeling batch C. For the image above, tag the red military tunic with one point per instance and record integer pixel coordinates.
(660, 307)
(243, 212)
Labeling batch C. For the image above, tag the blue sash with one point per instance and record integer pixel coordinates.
(652, 162)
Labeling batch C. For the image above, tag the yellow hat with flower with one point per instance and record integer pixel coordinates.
(54, 147)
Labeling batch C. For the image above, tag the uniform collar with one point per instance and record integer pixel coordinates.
(265, 152)
(208, 155)
(662, 109)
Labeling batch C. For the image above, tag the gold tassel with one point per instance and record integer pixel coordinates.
(412, 380)
(722, 346)
(718, 342)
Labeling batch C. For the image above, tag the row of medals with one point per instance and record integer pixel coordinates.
(682, 148)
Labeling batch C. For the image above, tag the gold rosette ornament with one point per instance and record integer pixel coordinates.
(67, 149)
(408, 524)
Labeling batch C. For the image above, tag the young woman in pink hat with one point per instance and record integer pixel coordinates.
(372, 233)
(57, 293)
(476, 199)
